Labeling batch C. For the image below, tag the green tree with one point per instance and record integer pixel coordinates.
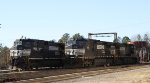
(125, 39)
(64, 38)
(77, 36)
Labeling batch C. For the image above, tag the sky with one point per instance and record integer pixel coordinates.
(50, 19)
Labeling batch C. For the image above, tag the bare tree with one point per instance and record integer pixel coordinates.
(4, 56)
(146, 38)
(139, 38)
(118, 40)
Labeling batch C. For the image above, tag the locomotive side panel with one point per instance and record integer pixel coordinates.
(102, 53)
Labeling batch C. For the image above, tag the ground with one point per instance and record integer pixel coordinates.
(141, 75)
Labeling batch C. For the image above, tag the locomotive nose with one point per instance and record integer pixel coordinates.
(16, 53)
(13, 53)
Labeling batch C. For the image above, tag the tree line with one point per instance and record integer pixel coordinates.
(125, 39)
(67, 37)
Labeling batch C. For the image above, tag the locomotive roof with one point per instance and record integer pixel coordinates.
(29, 40)
(33, 40)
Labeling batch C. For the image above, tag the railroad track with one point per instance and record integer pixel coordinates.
(49, 79)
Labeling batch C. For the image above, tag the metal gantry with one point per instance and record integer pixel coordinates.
(90, 35)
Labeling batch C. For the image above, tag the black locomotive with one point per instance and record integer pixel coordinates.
(96, 53)
(31, 53)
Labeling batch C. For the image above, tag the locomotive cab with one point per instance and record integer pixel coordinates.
(75, 52)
